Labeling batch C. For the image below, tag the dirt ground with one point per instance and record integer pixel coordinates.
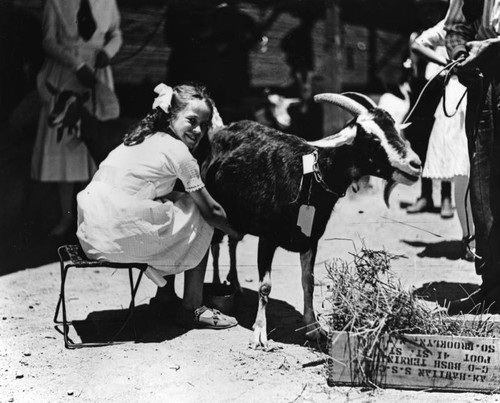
(174, 365)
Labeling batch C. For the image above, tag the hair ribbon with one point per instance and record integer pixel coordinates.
(164, 98)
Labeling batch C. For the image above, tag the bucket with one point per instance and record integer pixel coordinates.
(219, 296)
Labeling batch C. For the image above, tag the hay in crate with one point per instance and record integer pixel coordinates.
(369, 302)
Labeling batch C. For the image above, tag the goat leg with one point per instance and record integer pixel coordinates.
(314, 331)
(264, 261)
(232, 276)
(215, 249)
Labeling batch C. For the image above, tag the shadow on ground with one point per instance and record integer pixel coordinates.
(451, 250)
(443, 292)
(104, 326)
(284, 323)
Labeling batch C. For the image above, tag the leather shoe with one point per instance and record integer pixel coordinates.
(479, 302)
(421, 205)
(446, 209)
(204, 318)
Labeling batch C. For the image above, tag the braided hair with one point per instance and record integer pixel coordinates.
(159, 121)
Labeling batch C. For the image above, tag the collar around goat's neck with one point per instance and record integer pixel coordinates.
(310, 165)
(345, 137)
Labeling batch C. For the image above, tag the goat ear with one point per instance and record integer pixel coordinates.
(53, 90)
(404, 126)
(344, 137)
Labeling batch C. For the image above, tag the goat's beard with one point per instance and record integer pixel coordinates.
(389, 187)
(397, 178)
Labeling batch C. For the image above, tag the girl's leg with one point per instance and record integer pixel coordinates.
(193, 313)
(446, 208)
(193, 285)
(424, 202)
(67, 209)
(166, 294)
(463, 207)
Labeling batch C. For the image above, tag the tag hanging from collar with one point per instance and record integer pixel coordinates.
(309, 162)
(305, 219)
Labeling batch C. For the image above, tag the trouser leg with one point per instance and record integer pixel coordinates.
(480, 130)
(493, 246)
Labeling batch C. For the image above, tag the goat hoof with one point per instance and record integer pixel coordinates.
(259, 339)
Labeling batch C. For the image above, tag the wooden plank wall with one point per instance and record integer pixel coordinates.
(268, 69)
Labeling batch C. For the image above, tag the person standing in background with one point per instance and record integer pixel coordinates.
(447, 154)
(430, 12)
(80, 37)
(298, 47)
(473, 39)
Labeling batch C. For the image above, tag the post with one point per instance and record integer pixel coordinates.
(331, 71)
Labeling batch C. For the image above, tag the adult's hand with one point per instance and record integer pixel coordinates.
(468, 76)
(86, 76)
(482, 55)
(102, 59)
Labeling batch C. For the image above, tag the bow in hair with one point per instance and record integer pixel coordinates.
(164, 98)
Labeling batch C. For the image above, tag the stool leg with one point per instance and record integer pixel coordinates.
(132, 300)
(58, 306)
(67, 342)
(134, 292)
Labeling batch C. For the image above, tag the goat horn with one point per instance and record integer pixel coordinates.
(389, 187)
(367, 102)
(347, 103)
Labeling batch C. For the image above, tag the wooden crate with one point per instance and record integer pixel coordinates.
(418, 362)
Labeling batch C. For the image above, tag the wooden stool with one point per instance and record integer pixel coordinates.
(73, 256)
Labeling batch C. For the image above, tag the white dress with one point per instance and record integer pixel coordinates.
(447, 153)
(67, 159)
(122, 218)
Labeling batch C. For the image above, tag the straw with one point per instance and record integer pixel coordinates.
(368, 301)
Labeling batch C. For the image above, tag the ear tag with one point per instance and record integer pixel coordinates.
(308, 161)
(305, 219)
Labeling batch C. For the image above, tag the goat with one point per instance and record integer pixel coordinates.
(71, 109)
(292, 186)
(273, 113)
(299, 116)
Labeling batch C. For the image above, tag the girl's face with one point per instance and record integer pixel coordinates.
(192, 122)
